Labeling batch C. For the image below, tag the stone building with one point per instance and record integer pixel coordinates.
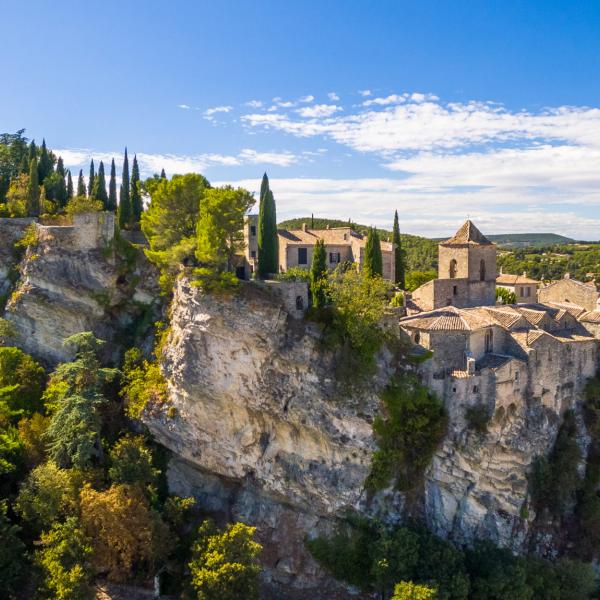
(523, 287)
(466, 273)
(342, 244)
(571, 291)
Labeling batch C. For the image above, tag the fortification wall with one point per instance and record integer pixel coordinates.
(89, 231)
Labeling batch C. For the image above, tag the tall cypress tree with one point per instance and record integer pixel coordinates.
(124, 198)
(99, 191)
(373, 262)
(33, 190)
(398, 254)
(267, 231)
(136, 196)
(60, 193)
(69, 185)
(81, 184)
(318, 275)
(112, 187)
(163, 174)
(32, 153)
(91, 178)
(44, 164)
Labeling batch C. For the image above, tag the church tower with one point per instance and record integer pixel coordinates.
(470, 258)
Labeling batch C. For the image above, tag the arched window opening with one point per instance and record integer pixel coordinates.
(453, 268)
(489, 341)
(482, 270)
(417, 337)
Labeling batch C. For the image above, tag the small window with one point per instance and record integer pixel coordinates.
(482, 270)
(454, 390)
(455, 290)
(489, 341)
(517, 375)
(453, 268)
(334, 257)
(475, 389)
(299, 303)
(417, 337)
(521, 293)
(253, 230)
(252, 253)
(302, 256)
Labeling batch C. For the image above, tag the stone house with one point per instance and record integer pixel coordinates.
(296, 246)
(466, 273)
(571, 291)
(523, 287)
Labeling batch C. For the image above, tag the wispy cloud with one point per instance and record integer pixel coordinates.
(365, 93)
(333, 96)
(254, 103)
(209, 113)
(306, 99)
(184, 106)
(318, 110)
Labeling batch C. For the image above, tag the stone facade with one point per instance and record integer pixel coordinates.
(573, 291)
(89, 231)
(524, 288)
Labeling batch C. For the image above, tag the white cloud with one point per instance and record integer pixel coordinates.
(318, 110)
(254, 104)
(210, 112)
(392, 99)
(333, 97)
(306, 99)
(282, 159)
(365, 93)
(184, 106)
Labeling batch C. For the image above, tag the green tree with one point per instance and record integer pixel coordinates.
(407, 590)
(224, 565)
(91, 178)
(81, 191)
(163, 174)
(60, 192)
(124, 197)
(416, 279)
(64, 560)
(219, 230)
(33, 190)
(398, 254)
(373, 262)
(12, 556)
(505, 296)
(112, 188)
(45, 164)
(136, 192)
(268, 244)
(132, 462)
(318, 276)
(32, 152)
(171, 219)
(99, 190)
(69, 185)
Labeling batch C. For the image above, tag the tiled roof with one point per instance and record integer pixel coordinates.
(467, 234)
(449, 318)
(534, 315)
(337, 236)
(504, 315)
(592, 316)
(572, 309)
(512, 280)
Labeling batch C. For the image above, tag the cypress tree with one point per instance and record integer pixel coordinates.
(33, 190)
(373, 262)
(99, 191)
(163, 174)
(124, 201)
(136, 196)
(44, 164)
(60, 194)
(69, 185)
(267, 231)
(398, 254)
(32, 153)
(112, 187)
(318, 275)
(91, 179)
(81, 184)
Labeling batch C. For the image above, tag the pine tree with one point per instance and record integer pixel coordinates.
(60, 193)
(373, 262)
(112, 187)
(99, 191)
(124, 198)
(33, 190)
(318, 275)
(136, 196)
(267, 231)
(81, 184)
(44, 164)
(398, 254)
(163, 174)
(91, 179)
(69, 185)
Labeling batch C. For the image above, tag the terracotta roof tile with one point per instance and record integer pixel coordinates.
(337, 236)
(508, 279)
(467, 234)
(592, 316)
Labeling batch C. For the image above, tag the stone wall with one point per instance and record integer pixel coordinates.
(570, 290)
(11, 230)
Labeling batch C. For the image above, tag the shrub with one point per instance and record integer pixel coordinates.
(294, 274)
(407, 590)
(416, 279)
(413, 425)
(478, 418)
(505, 296)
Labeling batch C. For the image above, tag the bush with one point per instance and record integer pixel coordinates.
(294, 274)
(416, 279)
(412, 428)
(478, 418)
(407, 590)
(505, 296)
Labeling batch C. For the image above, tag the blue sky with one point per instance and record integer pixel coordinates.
(442, 110)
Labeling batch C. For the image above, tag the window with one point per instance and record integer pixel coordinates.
(252, 253)
(299, 303)
(482, 270)
(334, 257)
(489, 341)
(517, 375)
(417, 337)
(475, 389)
(528, 292)
(302, 256)
(455, 290)
(452, 270)
(253, 230)
(521, 292)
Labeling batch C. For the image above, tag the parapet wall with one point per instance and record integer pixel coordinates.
(89, 231)
(293, 294)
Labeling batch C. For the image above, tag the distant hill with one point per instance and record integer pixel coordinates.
(519, 240)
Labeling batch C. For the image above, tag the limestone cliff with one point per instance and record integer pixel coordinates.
(262, 432)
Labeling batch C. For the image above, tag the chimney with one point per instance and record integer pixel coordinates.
(567, 276)
(501, 270)
(303, 226)
(524, 273)
(327, 225)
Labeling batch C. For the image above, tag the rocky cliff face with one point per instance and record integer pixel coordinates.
(262, 431)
